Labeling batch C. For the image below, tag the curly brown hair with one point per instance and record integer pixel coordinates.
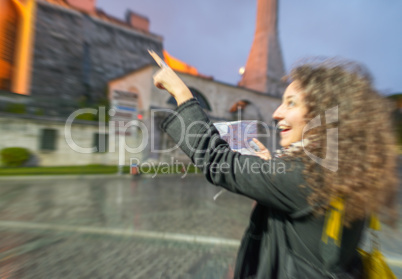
(363, 168)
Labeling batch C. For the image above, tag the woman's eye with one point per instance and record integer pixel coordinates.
(291, 103)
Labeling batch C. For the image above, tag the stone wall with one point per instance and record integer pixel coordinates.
(76, 55)
(26, 131)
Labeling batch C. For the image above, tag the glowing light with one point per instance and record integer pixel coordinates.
(179, 65)
(242, 70)
(18, 73)
(139, 116)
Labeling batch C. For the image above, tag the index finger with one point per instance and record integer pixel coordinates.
(259, 144)
(157, 59)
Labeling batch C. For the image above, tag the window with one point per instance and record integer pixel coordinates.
(101, 142)
(48, 139)
(7, 46)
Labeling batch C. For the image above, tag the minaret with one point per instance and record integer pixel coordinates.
(264, 68)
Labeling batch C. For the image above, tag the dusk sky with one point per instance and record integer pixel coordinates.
(216, 36)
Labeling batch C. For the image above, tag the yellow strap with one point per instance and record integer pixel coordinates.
(334, 221)
(337, 203)
(375, 223)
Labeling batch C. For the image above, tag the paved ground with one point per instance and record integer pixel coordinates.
(117, 227)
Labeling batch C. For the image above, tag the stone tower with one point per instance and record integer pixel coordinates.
(264, 68)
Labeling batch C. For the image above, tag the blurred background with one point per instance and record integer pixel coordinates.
(78, 106)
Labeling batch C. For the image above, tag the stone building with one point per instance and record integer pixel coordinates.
(79, 48)
(68, 56)
(221, 102)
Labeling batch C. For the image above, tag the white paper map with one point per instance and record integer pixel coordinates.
(239, 134)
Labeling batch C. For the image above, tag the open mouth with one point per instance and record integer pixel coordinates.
(284, 129)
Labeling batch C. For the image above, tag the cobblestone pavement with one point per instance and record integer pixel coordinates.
(120, 227)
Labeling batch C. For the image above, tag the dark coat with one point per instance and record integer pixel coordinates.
(282, 227)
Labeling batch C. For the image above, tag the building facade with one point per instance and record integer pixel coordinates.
(65, 62)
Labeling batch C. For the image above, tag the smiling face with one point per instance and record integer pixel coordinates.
(291, 115)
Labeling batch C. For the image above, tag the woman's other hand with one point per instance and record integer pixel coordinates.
(168, 80)
(263, 153)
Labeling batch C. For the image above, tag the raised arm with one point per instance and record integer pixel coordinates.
(273, 183)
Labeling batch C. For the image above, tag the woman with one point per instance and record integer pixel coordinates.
(337, 142)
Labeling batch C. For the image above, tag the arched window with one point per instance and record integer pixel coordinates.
(198, 95)
(245, 110)
(8, 35)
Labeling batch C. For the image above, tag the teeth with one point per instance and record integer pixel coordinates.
(282, 127)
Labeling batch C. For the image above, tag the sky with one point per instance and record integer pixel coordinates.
(215, 36)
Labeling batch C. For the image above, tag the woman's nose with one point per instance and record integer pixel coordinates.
(278, 115)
